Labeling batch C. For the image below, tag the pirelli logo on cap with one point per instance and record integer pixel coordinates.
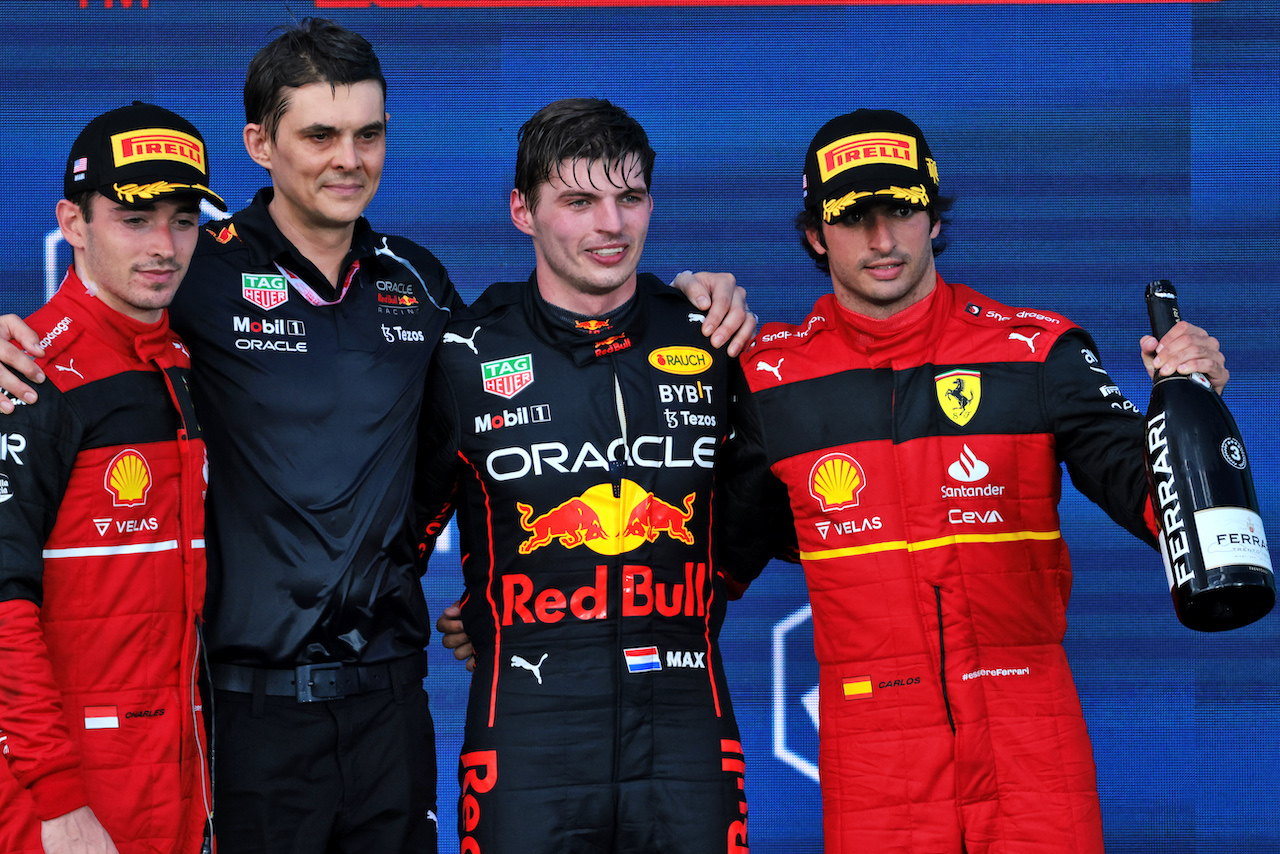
(863, 149)
(136, 146)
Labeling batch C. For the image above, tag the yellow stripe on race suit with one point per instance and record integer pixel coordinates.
(954, 539)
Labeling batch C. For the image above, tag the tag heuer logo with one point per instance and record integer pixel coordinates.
(266, 292)
(507, 377)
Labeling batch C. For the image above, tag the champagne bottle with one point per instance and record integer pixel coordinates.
(1211, 537)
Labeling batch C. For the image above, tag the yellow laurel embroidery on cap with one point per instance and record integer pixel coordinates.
(933, 168)
(917, 195)
(832, 208)
(126, 192)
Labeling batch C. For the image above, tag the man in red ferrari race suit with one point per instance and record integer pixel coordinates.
(912, 431)
(102, 481)
(579, 416)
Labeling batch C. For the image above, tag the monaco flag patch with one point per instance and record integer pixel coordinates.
(101, 717)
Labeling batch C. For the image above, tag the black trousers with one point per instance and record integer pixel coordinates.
(350, 776)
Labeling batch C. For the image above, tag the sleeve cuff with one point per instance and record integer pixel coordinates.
(58, 794)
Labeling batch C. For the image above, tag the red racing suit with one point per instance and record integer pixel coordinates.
(101, 580)
(919, 459)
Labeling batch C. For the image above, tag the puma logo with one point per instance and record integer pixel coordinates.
(1030, 342)
(70, 368)
(535, 669)
(455, 338)
(776, 370)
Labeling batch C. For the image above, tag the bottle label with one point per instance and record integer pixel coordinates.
(1231, 536)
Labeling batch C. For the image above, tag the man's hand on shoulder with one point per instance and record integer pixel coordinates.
(724, 303)
(77, 832)
(1184, 350)
(13, 329)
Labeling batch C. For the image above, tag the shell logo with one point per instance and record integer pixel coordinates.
(128, 479)
(681, 360)
(835, 481)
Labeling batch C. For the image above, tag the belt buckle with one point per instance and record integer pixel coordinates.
(305, 686)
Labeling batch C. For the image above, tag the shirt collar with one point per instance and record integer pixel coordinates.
(267, 245)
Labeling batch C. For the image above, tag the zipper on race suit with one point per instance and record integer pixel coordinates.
(942, 660)
(616, 469)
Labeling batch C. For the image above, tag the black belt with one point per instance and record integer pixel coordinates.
(309, 683)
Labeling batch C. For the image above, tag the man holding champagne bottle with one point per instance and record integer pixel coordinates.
(904, 441)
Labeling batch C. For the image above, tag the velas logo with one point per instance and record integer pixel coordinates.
(264, 291)
(136, 146)
(605, 524)
(835, 481)
(864, 149)
(681, 360)
(127, 479)
(507, 377)
(959, 393)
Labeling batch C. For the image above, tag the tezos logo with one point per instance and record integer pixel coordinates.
(399, 333)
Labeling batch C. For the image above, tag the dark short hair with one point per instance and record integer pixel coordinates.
(578, 129)
(808, 219)
(316, 50)
(84, 201)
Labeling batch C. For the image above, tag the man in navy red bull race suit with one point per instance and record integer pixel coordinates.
(574, 421)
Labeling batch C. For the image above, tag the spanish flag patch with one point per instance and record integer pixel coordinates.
(857, 687)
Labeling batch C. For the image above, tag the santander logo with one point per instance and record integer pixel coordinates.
(968, 469)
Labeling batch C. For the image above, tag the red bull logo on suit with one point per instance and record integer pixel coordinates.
(606, 524)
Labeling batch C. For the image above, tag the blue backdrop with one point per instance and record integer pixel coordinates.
(1092, 147)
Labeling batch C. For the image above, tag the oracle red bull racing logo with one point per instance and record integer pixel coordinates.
(606, 524)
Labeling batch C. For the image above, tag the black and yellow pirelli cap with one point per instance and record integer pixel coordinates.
(138, 154)
(865, 156)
